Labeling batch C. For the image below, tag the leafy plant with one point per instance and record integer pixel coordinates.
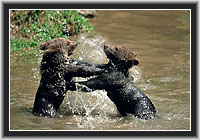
(29, 28)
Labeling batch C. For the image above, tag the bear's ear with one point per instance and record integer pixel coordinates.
(43, 46)
(70, 46)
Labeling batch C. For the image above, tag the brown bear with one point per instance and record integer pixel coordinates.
(116, 82)
(57, 71)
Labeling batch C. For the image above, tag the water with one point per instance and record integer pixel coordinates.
(161, 39)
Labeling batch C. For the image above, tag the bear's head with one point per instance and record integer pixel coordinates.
(59, 45)
(121, 54)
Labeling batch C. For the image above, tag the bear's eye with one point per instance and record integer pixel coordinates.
(116, 49)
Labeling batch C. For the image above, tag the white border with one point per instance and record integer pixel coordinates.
(101, 10)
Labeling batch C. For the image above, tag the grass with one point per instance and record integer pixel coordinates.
(29, 28)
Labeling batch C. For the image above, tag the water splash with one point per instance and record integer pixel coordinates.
(90, 109)
(36, 71)
(92, 106)
(91, 48)
(135, 74)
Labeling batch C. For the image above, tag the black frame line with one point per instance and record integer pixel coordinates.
(80, 5)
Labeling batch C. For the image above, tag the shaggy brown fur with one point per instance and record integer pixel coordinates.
(115, 80)
(57, 71)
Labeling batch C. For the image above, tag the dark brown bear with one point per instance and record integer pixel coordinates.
(57, 71)
(115, 80)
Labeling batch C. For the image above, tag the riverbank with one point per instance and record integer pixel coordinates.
(30, 28)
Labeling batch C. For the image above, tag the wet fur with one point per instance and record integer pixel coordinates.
(115, 81)
(57, 71)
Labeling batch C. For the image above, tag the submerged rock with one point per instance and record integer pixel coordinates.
(88, 13)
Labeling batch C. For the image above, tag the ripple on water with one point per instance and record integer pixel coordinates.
(170, 79)
(13, 78)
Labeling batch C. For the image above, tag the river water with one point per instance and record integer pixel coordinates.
(162, 40)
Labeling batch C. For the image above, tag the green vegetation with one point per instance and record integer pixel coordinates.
(29, 28)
